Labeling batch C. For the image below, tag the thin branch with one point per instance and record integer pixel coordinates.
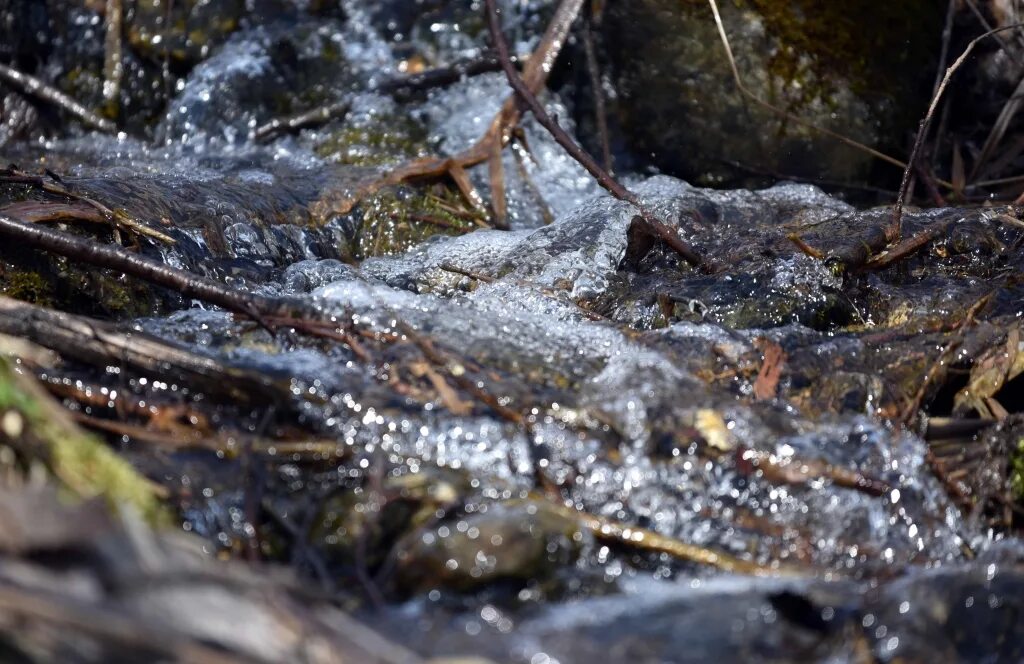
(33, 86)
(395, 85)
(597, 90)
(187, 284)
(113, 58)
(536, 71)
(610, 184)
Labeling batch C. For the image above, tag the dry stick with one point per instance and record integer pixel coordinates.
(906, 248)
(33, 86)
(789, 116)
(939, 366)
(113, 59)
(641, 539)
(610, 184)
(594, 72)
(187, 284)
(897, 213)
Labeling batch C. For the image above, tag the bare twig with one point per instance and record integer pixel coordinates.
(312, 117)
(535, 73)
(33, 86)
(113, 58)
(396, 85)
(906, 248)
(597, 90)
(642, 539)
(187, 284)
(656, 227)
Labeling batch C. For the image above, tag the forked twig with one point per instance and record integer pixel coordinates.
(535, 73)
(656, 227)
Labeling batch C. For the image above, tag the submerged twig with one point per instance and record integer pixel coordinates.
(642, 539)
(655, 226)
(425, 80)
(33, 86)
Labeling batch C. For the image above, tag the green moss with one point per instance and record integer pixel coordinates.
(38, 428)
(387, 140)
(861, 41)
(58, 283)
(26, 286)
(393, 221)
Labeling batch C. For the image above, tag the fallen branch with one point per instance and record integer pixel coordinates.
(103, 344)
(187, 284)
(33, 86)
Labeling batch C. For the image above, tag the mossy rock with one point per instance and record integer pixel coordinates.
(395, 220)
(192, 30)
(347, 520)
(858, 68)
(384, 140)
(56, 282)
(39, 431)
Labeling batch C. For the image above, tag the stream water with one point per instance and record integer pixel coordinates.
(637, 384)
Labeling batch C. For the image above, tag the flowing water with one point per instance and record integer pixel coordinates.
(634, 384)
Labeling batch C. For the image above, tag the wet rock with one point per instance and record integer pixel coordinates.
(186, 31)
(363, 526)
(519, 541)
(848, 68)
(262, 74)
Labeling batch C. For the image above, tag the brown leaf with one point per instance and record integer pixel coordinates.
(767, 383)
(990, 372)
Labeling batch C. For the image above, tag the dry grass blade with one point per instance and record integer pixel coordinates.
(642, 539)
(897, 214)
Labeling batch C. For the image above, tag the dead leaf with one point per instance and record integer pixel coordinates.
(767, 383)
(990, 372)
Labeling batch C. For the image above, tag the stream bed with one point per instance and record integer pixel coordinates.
(557, 442)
